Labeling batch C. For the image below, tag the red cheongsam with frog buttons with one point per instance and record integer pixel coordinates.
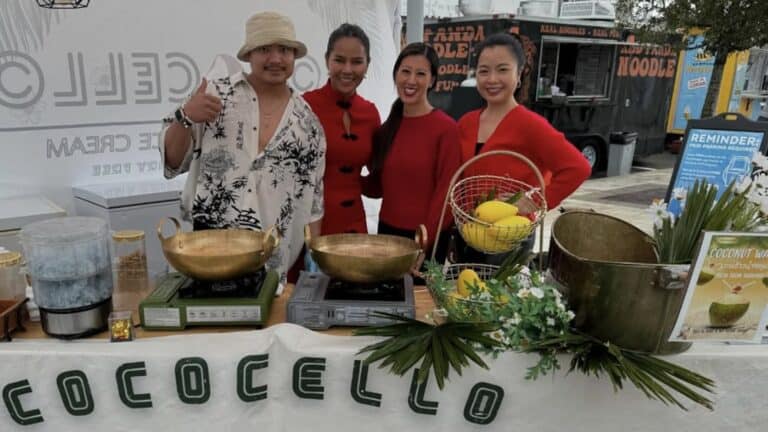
(348, 150)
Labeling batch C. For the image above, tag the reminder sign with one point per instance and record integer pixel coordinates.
(727, 291)
(717, 150)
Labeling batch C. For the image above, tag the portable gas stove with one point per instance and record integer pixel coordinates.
(319, 302)
(179, 301)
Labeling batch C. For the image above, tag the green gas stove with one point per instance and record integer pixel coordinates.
(179, 302)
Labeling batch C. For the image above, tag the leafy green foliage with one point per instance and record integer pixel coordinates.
(440, 347)
(728, 25)
(520, 313)
(676, 240)
(653, 376)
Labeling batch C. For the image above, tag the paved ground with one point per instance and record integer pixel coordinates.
(625, 197)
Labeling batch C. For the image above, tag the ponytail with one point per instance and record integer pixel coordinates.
(385, 136)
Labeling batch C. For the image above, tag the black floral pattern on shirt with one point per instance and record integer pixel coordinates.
(287, 159)
(211, 209)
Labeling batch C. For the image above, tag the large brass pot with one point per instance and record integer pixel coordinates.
(366, 258)
(217, 254)
(609, 273)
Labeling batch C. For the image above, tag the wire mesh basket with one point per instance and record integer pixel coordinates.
(501, 235)
(503, 227)
(481, 301)
(464, 307)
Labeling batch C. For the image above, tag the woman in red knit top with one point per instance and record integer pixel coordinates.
(349, 122)
(415, 152)
(506, 125)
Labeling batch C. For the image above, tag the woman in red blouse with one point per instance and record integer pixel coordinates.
(349, 122)
(415, 152)
(504, 124)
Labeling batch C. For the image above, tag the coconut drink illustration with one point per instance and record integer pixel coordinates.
(706, 275)
(730, 308)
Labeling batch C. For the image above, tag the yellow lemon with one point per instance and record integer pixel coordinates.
(479, 237)
(466, 280)
(491, 211)
(511, 229)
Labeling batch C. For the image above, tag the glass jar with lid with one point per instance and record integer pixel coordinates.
(129, 254)
(130, 266)
(12, 282)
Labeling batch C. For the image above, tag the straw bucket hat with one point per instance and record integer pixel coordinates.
(267, 28)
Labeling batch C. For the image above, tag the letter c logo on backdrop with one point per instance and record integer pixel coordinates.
(23, 71)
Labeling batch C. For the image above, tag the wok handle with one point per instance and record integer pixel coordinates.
(270, 232)
(160, 227)
(421, 237)
(307, 235)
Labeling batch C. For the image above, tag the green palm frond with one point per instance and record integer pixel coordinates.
(441, 348)
(656, 378)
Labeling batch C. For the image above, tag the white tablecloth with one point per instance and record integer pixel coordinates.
(553, 403)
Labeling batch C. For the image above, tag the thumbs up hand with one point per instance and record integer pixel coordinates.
(202, 107)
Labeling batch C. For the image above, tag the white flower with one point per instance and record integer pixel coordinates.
(537, 292)
(570, 315)
(550, 322)
(497, 335)
(680, 193)
(523, 293)
(484, 296)
(760, 160)
(658, 209)
(560, 305)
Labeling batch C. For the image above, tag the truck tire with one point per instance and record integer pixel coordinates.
(594, 151)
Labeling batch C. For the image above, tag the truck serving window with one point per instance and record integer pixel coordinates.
(579, 70)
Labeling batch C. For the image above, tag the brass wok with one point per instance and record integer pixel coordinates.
(217, 254)
(366, 258)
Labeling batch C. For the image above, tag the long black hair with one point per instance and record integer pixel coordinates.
(514, 45)
(353, 31)
(385, 135)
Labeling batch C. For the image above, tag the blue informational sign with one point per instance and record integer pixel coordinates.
(694, 80)
(718, 156)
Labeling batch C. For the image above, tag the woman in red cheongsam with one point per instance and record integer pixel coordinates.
(349, 122)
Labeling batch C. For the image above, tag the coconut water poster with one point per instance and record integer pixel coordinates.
(727, 291)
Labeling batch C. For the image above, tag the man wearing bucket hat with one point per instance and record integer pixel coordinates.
(254, 150)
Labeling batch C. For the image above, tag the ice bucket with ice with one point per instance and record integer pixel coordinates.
(69, 266)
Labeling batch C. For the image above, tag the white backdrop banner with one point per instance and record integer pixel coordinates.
(82, 91)
(287, 378)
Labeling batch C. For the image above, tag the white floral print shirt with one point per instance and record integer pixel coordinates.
(231, 185)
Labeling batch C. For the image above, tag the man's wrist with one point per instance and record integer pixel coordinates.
(182, 118)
